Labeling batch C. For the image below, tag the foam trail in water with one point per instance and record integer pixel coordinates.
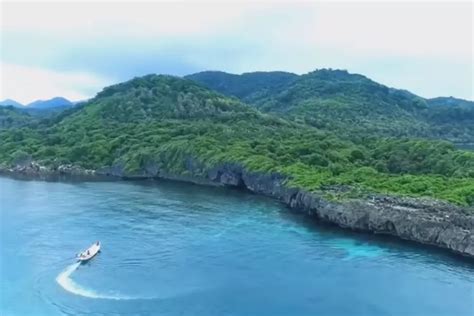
(69, 285)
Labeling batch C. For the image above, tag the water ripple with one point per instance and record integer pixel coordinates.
(173, 249)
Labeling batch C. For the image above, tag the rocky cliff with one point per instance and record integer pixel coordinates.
(422, 220)
(425, 221)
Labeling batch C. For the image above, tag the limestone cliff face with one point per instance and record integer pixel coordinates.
(422, 220)
(425, 221)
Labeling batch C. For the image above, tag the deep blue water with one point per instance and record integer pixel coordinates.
(178, 249)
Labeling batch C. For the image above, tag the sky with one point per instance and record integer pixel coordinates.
(74, 49)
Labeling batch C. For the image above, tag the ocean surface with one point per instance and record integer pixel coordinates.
(178, 249)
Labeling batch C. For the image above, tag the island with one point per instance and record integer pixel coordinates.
(337, 146)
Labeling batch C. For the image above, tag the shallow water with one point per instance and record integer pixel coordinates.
(178, 249)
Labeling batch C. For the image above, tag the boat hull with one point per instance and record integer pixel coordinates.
(89, 253)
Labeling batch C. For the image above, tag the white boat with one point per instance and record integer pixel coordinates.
(89, 253)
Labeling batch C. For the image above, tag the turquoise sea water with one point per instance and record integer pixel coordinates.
(179, 249)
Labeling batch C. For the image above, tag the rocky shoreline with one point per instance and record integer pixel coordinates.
(425, 221)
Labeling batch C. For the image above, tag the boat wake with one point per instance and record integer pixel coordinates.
(64, 279)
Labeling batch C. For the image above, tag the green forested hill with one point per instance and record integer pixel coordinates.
(170, 123)
(13, 117)
(450, 101)
(352, 105)
(249, 87)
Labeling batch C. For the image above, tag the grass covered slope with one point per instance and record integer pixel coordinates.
(168, 123)
(351, 104)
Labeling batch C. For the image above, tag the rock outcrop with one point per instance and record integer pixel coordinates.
(32, 169)
(425, 221)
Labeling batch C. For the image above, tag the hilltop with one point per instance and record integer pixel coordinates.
(350, 104)
(50, 103)
(8, 102)
(450, 101)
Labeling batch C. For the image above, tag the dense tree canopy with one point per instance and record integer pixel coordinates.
(350, 104)
(168, 121)
(13, 117)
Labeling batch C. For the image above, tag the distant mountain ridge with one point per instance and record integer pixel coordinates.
(40, 104)
(11, 102)
(51, 103)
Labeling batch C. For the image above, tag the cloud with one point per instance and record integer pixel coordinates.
(396, 29)
(26, 84)
(421, 47)
(132, 19)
